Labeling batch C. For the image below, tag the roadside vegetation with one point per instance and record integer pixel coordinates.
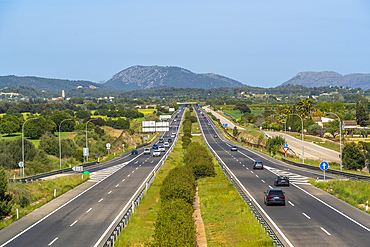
(26, 197)
(353, 192)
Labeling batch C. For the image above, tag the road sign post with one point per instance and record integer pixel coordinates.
(324, 166)
(108, 147)
(285, 148)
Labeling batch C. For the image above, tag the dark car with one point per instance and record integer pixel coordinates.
(134, 151)
(215, 135)
(205, 117)
(155, 146)
(234, 148)
(161, 140)
(274, 196)
(169, 140)
(281, 180)
(258, 165)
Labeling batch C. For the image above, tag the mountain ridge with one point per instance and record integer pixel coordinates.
(145, 77)
(330, 78)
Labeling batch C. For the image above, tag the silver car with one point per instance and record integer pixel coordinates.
(156, 153)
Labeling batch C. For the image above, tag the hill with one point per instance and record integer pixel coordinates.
(330, 78)
(145, 77)
(47, 84)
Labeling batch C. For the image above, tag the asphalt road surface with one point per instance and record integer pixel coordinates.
(311, 217)
(84, 217)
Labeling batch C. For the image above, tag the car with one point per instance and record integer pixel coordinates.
(274, 196)
(174, 120)
(155, 146)
(209, 123)
(173, 133)
(176, 116)
(281, 180)
(169, 139)
(146, 150)
(173, 136)
(161, 149)
(161, 140)
(166, 145)
(202, 114)
(234, 148)
(205, 117)
(258, 164)
(156, 153)
(215, 135)
(134, 151)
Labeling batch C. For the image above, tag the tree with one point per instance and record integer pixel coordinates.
(67, 126)
(242, 107)
(304, 106)
(361, 115)
(353, 156)
(37, 127)
(5, 206)
(274, 143)
(333, 128)
(235, 132)
(82, 114)
(10, 124)
(50, 144)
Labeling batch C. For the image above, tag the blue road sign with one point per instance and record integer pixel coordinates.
(324, 165)
(255, 142)
(199, 104)
(285, 145)
(224, 125)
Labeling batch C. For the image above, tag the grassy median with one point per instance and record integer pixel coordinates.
(227, 218)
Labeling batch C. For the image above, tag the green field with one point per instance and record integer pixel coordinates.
(35, 142)
(257, 111)
(234, 114)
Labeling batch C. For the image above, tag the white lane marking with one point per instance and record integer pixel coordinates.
(263, 181)
(55, 239)
(74, 223)
(117, 185)
(109, 192)
(257, 176)
(291, 203)
(100, 200)
(308, 217)
(128, 175)
(123, 180)
(88, 210)
(270, 187)
(137, 167)
(132, 171)
(336, 210)
(325, 231)
(247, 168)
(252, 172)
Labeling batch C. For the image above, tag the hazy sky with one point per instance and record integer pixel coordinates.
(257, 42)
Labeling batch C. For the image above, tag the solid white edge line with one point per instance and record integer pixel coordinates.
(331, 207)
(51, 213)
(325, 231)
(55, 239)
(250, 196)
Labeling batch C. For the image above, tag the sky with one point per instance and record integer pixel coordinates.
(256, 42)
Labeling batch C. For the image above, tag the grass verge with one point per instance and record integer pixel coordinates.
(29, 196)
(353, 192)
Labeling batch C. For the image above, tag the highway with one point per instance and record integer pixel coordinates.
(311, 217)
(86, 216)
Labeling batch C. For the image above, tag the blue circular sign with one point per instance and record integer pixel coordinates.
(324, 165)
(285, 145)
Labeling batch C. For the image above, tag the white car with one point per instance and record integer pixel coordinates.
(146, 150)
(161, 149)
(172, 136)
(173, 133)
(156, 153)
(166, 145)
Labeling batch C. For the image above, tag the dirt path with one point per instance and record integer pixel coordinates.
(201, 237)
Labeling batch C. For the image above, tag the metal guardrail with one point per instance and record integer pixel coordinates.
(331, 171)
(134, 203)
(256, 213)
(46, 174)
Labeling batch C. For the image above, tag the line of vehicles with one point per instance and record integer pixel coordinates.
(273, 196)
(158, 147)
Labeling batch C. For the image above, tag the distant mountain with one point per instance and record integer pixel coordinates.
(47, 84)
(330, 78)
(145, 77)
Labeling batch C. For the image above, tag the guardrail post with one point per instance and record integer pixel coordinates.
(133, 207)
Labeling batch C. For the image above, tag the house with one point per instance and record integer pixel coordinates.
(349, 124)
(321, 121)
